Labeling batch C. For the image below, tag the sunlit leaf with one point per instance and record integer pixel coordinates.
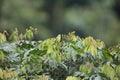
(1, 56)
(29, 34)
(118, 70)
(72, 78)
(14, 36)
(109, 71)
(2, 38)
(1, 74)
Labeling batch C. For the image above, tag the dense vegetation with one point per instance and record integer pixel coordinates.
(66, 57)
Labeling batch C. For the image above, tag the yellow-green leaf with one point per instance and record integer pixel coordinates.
(29, 34)
(109, 71)
(43, 77)
(72, 78)
(1, 56)
(85, 69)
(14, 36)
(2, 38)
(1, 74)
(58, 38)
(118, 70)
(91, 49)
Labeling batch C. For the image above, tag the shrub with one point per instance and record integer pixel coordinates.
(66, 57)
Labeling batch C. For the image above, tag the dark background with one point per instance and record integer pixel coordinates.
(97, 18)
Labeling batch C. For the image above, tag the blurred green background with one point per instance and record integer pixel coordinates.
(97, 18)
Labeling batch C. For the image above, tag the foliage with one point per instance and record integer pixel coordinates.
(66, 57)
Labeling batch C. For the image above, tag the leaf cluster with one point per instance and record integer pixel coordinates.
(66, 57)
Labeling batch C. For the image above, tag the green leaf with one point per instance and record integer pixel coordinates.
(85, 69)
(72, 78)
(78, 50)
(1, 74)
(91, 49)
(58, 58)
(14, 36)
(2, 38)
(117, 68)
(43, 77)
(71, 36)
(106, 54)
(58, 38)
(109, 71)
(1, 56)
(38, 52)
(29, 34)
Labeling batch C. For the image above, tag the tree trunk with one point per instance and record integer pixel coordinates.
(55, 10)
(1, 4)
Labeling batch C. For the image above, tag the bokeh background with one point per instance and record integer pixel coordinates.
(97, 18)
